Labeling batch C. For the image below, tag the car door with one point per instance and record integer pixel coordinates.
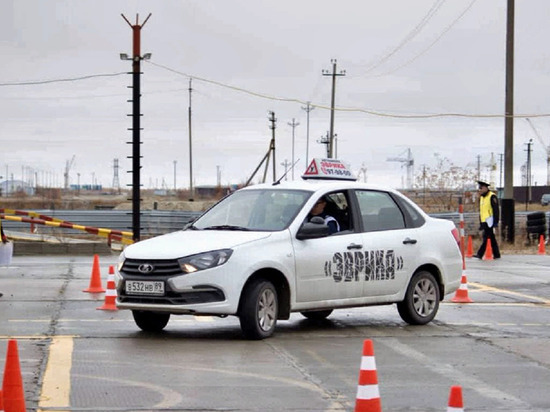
(389, 247)
(324, 266)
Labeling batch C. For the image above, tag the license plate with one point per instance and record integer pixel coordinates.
(139, 287)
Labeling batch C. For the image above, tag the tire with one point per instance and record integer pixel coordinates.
(536, 222)
(536, 215)
(421, 299)
(150, 321)
(259, 310)
(536, 229)
(317, 314)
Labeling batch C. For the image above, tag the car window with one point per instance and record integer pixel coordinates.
(379, 211)
(337, 206)
(262, 209)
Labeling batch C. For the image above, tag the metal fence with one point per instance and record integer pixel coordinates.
(157, 222)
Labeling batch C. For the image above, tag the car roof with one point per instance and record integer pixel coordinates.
(323, 185)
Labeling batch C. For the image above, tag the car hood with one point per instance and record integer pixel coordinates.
(190, 242)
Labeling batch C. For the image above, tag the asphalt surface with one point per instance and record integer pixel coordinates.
(74, 357)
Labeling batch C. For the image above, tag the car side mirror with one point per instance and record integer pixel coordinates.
(314, 229)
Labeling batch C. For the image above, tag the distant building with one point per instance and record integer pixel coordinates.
(10, 187)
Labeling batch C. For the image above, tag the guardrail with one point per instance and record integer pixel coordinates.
(158, 222)
(153, 222)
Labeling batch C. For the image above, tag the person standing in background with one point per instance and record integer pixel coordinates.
(488, 218)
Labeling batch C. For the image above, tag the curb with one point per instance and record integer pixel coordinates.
(22, 248)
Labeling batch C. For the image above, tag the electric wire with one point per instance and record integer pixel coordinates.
(410, 36)
(344, 109)
(71, 79)
(449, 27)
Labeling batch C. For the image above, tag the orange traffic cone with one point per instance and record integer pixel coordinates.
(12, 385)
(542, 249)
(461, 295)
(110, 295)
(368, 395)
(455, 400)
(470, 251)
(95, 280)
(488, 251)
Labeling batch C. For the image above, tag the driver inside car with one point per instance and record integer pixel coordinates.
(319, 210)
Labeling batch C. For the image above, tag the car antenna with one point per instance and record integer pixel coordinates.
(281, 178)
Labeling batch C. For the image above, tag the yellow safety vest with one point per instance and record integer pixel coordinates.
(485, 208)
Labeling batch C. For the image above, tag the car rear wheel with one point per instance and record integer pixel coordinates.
(150, 321)
(421, 300)
(259, 310)
(317, 314)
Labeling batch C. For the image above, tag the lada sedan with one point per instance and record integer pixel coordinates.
(260, 255)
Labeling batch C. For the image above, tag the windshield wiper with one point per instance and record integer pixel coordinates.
(226, 227)
(192, 227)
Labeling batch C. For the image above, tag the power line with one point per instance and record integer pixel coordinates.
(449, 27)
(411, 35)
(348, 109)
(72, 79)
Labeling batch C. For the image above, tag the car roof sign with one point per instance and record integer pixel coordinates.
(329, 169)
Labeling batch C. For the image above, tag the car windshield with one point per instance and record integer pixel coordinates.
(259, 210)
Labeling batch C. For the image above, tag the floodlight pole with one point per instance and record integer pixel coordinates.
(136, 125)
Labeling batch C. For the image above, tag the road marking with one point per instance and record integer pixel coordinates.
(486, 288)
(56, 385)
(449, 371)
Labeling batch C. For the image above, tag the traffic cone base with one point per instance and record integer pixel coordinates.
(542, 249)
(470, 249)
(110, 295)
(455, 400)
(95, 280)
(461, 295)
(488, 251)
(12, 386)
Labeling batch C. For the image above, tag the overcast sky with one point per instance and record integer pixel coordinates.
(400, 57)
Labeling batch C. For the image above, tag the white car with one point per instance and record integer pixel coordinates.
(257, 255)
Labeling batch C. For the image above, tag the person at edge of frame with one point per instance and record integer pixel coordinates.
(4, 240)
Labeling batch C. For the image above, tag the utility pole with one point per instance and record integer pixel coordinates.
(528, 175)
(191, 190)
(136, 126)
(308, 109)
(293, 125)
(116, 182)
(326, 141)
(507, 202)
(500, 159)
(175, 162)
(271, 151)
(285, 164)
(478, 167)
(333, 75)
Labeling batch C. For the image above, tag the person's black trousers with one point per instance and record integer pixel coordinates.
(488, 234)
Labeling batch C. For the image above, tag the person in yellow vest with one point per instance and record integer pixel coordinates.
(488, 218)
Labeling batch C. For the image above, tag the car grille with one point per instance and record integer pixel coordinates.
(173, 298)
(160, 267)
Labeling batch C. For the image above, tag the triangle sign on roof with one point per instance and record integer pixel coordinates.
(312, 169)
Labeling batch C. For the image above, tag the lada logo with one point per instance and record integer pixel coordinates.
(145, 268)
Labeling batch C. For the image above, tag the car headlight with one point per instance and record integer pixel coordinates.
(207, 260)
(120, 262)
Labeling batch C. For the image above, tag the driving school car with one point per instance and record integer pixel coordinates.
(258, 255)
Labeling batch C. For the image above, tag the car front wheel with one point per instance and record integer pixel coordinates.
(150, 321)
(259, 310)
(421, 300)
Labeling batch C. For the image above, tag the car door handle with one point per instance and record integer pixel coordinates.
(409, 241)
(355, 246)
